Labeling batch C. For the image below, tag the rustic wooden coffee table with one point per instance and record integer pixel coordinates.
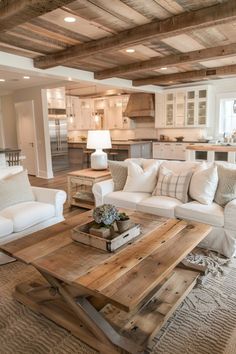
(116, 303)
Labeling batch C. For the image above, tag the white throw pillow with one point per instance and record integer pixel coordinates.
(141, 179)
(203, 184)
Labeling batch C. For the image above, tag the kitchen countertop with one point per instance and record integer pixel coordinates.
(179, 142)
(212, 147)
(116, 142)
(4, 151)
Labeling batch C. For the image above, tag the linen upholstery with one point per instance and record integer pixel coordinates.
(212, 214)
(6, 226)
(173, 185)
(127, 200)
(226, 190)
(162, 206)
(15, 189)
(221, 239)
(25, 215)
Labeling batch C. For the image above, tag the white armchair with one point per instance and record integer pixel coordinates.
(25, 218)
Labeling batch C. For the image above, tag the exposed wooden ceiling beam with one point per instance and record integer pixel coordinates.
(170, 60)
(15, 12)
(175, 25)
(187, 76)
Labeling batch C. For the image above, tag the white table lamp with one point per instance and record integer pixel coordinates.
(98, 140)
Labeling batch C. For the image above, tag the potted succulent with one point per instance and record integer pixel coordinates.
(104, 217)
(123, 223)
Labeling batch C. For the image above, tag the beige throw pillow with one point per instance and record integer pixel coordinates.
(174, 185)
(15, 189)
(226, 190)
(119, 173)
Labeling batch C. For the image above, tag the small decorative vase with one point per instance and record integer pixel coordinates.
(123, 225)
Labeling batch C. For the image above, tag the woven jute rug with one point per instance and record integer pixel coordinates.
(204, 324)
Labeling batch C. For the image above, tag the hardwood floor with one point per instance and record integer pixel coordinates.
(58, 182)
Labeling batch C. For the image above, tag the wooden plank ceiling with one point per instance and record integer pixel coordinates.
(174, 41)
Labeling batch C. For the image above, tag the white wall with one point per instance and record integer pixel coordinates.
(8, 126)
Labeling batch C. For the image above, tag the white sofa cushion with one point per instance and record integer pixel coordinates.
(27, 214)
(212, 214)
(203, 184)
(159, 205)
(127, 200)
(141, 179)
(6, 226)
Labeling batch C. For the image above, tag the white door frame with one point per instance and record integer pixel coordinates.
(34, 133)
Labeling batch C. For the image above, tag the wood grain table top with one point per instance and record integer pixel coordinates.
(126, 277)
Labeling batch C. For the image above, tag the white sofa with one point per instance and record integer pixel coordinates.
(25, 218)
(223, 220)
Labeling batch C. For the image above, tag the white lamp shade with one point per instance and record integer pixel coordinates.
(99, 139)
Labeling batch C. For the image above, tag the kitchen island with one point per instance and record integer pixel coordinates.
(211, 152)
(123, 150)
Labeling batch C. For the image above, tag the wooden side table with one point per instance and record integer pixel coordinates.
(80, 185)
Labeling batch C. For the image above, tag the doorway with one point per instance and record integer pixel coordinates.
(26, 135)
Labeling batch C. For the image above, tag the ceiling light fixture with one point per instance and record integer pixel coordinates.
(130, 50)
(26, 77)
(70, 19)
(164, 68)
(2, 80)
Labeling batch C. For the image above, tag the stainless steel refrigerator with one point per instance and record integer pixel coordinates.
(58, 138)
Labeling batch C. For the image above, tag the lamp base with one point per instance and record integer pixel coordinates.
(99, 160)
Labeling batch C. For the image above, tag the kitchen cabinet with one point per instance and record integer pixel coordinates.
(56, 98)
(160, 120)
(86, 118)
(169, 151)
(170, 108)
(113, 113)
(197, 108)
(181, 108)
(81, 113)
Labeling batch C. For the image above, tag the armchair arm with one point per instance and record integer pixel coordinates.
(100, 189)
(55, 197)
(230, 215)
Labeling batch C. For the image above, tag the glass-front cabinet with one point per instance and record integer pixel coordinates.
(190, 108)
(170, 110)
(202, 108)
(180, 109)
(183, 108)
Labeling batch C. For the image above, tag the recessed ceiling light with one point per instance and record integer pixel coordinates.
(70, 19)
(164, 68)
(130, 50)
(26, 77)
(2, 80)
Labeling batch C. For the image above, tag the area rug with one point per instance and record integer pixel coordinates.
(204, 324)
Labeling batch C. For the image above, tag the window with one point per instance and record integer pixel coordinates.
(227, 116)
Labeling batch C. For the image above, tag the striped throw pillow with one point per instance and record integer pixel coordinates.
(173, 185)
